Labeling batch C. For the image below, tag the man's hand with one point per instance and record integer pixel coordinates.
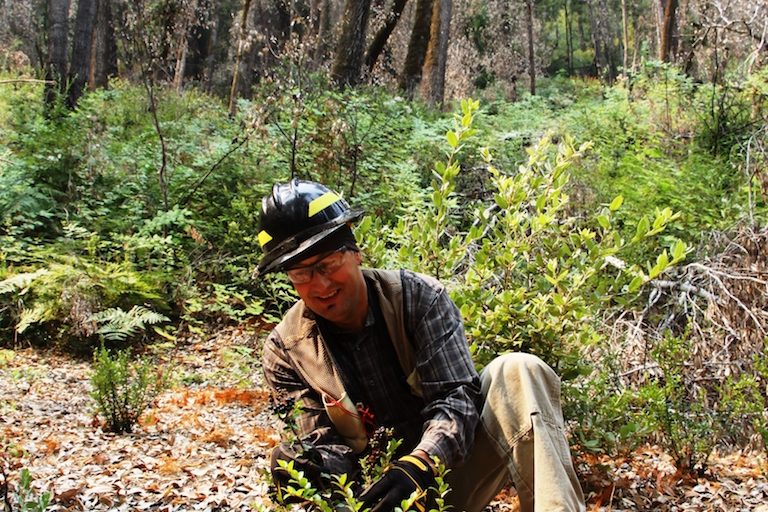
(399, 481)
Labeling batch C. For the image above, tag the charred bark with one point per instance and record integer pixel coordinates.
(382, 36)
(56, 66)
(350, 49)
(433, 88)
(417, 48)
(82, 44)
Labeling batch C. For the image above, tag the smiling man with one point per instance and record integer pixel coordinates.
(368, 348)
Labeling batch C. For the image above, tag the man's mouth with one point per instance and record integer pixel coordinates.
(328, 296)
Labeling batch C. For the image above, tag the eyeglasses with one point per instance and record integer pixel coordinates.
(324, 266)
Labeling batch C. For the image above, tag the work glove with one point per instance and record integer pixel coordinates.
(317, 463)
(399, 481)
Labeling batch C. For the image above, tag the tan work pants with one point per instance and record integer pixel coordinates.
(520, 439)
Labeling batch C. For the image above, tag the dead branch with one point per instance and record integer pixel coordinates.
(687, 288)
(26, 80)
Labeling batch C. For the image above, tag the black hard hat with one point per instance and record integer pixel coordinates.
(295, 217)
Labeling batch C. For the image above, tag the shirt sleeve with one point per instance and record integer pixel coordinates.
(449, 381)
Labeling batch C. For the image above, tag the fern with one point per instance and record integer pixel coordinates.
(40, 312)
(19, 282)
(119, 325)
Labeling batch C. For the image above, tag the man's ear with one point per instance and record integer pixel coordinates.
(358, 257)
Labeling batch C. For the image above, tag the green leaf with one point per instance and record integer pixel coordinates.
(642, 228)
(678, 251)
(636, 283)
(453, 139)
(616, 203)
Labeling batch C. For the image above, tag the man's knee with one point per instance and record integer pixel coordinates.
(522, 384)
(522, 368)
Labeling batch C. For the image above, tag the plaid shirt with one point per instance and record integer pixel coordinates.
(443, 421)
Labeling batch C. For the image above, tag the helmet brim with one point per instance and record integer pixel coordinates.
(283, 257)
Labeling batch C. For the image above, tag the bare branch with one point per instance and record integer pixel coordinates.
(687, 288)
(26, 80)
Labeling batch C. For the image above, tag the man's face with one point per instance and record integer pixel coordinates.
(336, 288)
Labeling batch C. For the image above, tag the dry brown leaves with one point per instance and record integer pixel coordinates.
(647, 479)
(197, 448)
(204, 447)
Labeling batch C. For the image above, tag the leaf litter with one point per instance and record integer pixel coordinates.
(204, 444)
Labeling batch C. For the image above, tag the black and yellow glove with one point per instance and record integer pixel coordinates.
(399, 481)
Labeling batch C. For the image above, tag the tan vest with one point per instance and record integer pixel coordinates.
(309, 355)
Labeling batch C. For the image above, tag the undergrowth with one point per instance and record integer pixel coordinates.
(541, 216)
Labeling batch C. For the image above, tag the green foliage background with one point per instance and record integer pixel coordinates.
(543, 216)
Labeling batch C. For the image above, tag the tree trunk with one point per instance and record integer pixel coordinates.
(668, 30)
(186, 20)
(658, 15)
(104, 51)
(270, 31)
(582, 33)
(199, 43)
(382, 36)
(349, 51)
(181, 60)
(531, 52)
(238, 56)
(569, 37)
(323, 30)
(79, 70)
(417, 48)
(56, 67)
(636, 45)
(433, 88)
(315, 11)
(599, 16)
(624, 36)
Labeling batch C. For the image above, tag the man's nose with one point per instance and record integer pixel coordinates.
(320, 279)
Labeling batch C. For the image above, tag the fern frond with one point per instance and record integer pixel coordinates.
(119, 324)
(20, 282)
(29, 316)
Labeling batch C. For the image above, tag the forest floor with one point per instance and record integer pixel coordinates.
(204, 443)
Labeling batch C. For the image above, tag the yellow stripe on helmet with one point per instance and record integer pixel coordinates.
(321, 203)
(264, 238)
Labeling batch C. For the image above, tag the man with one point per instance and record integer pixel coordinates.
(367, 348)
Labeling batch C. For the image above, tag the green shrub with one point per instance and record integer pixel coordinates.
(724, 115)
(27, 500)
(340, 495)
(684, 410)
(649, 146)
(118, 325)
(526, 273)
(21, 497)
(745, 402)
(605, 417)
(123, 389)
